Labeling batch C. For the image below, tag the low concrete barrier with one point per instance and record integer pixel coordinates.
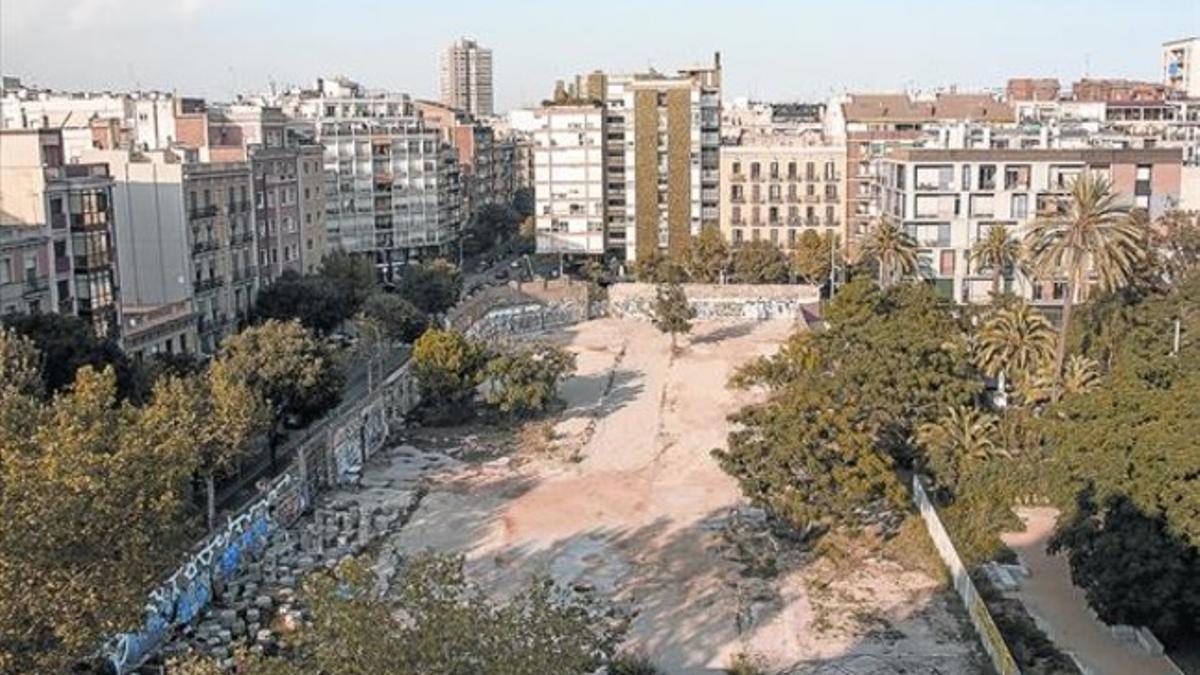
(717, 302)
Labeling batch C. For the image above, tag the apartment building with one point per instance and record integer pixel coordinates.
(948, 199)
(775, 190)
(1181, 67)
(871, 124)
(466, 78)
(289, 184)
(486, 160)
(569, 185)
(149, 117)
(71, 204)
(661, 149)
(392, 185)
(24, 270)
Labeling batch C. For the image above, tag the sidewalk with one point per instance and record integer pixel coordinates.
(1062, 610)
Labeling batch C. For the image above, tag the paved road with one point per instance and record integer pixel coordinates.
(1061, 606)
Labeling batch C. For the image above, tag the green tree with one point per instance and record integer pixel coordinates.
(759, 262)
(996, 251)
(491, 224)
(810, 462)
(814, 256)
(354, 276)
(893, 249)
(1015, 340)
(93, 507)
(525, 381)
(448, 366)
(671, 312)
(1095, 236)
(400, 320)
(707, 257)
(958, 442)
(1133, 570)
(293, 371)
(434, 287)
(68, 343)
(317, 302)
(657, 268)
(220, 414)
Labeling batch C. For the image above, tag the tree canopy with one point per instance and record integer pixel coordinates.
(845, 402)
(93, 507)
(448, 366)
(434, 287)
(671, 312)
(707, 257)
(317, 302)
(524, 381)
(66, 344)
(759, 262)
(400, 320)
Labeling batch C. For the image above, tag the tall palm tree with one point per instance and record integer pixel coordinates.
(1095, 236)
(1016, 340)
(960, 439)
(893, 248)
(996, 251)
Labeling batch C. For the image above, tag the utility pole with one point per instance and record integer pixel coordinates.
(1178, 331)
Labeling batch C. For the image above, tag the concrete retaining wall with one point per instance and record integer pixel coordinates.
(727, 302)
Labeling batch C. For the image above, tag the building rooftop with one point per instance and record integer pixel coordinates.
(902, 108)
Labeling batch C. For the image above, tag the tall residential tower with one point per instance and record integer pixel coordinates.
(466, 78)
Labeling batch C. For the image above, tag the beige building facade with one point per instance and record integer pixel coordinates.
(776, 191)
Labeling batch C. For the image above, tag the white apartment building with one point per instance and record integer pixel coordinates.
(568, 173)
(466, 78)
(150, 116)
(392, 187)
(948, 199)
(661, 147)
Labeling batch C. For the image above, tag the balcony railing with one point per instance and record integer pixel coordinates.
(58, 221)
(94, 261)
(203, 247)
(203, 212)
(209, 284)
(36, 285)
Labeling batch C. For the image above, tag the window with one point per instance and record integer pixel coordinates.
(935, 177)
(946, 264)
(987, 177)
(810, 171)
(755, 170)
(5, 271)
(737, 168)
(982, 206)
(791, 171)
(775, 170)
(1020, 206)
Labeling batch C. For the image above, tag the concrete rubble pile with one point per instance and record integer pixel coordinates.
(261, 604)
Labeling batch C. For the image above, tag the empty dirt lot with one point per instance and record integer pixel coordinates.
(630, 505)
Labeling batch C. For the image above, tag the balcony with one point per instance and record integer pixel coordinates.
(203, 247)
(831, 198)
(203, 212)
(95, 261)
(775, 199)
(35, 286)
(812, 199)
(935, 187)
(212, 283)
(58, 221)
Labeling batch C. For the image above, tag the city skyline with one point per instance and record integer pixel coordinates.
(259, 43)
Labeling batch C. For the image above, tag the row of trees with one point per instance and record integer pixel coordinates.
(96, 491)
(1095, 419)
(710, 260)
(346, 288)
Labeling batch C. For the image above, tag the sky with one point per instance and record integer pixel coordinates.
(771, 49)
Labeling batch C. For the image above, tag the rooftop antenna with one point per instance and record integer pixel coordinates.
(1087, 64)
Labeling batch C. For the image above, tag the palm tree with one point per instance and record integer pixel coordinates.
(996, 251)
(894, 248)
(1016, 340)
(1096, 235)
(961, 438)
(1080, 375)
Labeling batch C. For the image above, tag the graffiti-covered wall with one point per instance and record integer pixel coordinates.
(714, 302)
(220, 559)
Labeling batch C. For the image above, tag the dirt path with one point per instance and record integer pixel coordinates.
(639, 516)
(1062, 608)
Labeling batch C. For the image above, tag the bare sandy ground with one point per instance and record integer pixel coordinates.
(1061, 607)
(638, 518)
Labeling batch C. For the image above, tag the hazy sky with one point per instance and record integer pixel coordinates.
(777, 49)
